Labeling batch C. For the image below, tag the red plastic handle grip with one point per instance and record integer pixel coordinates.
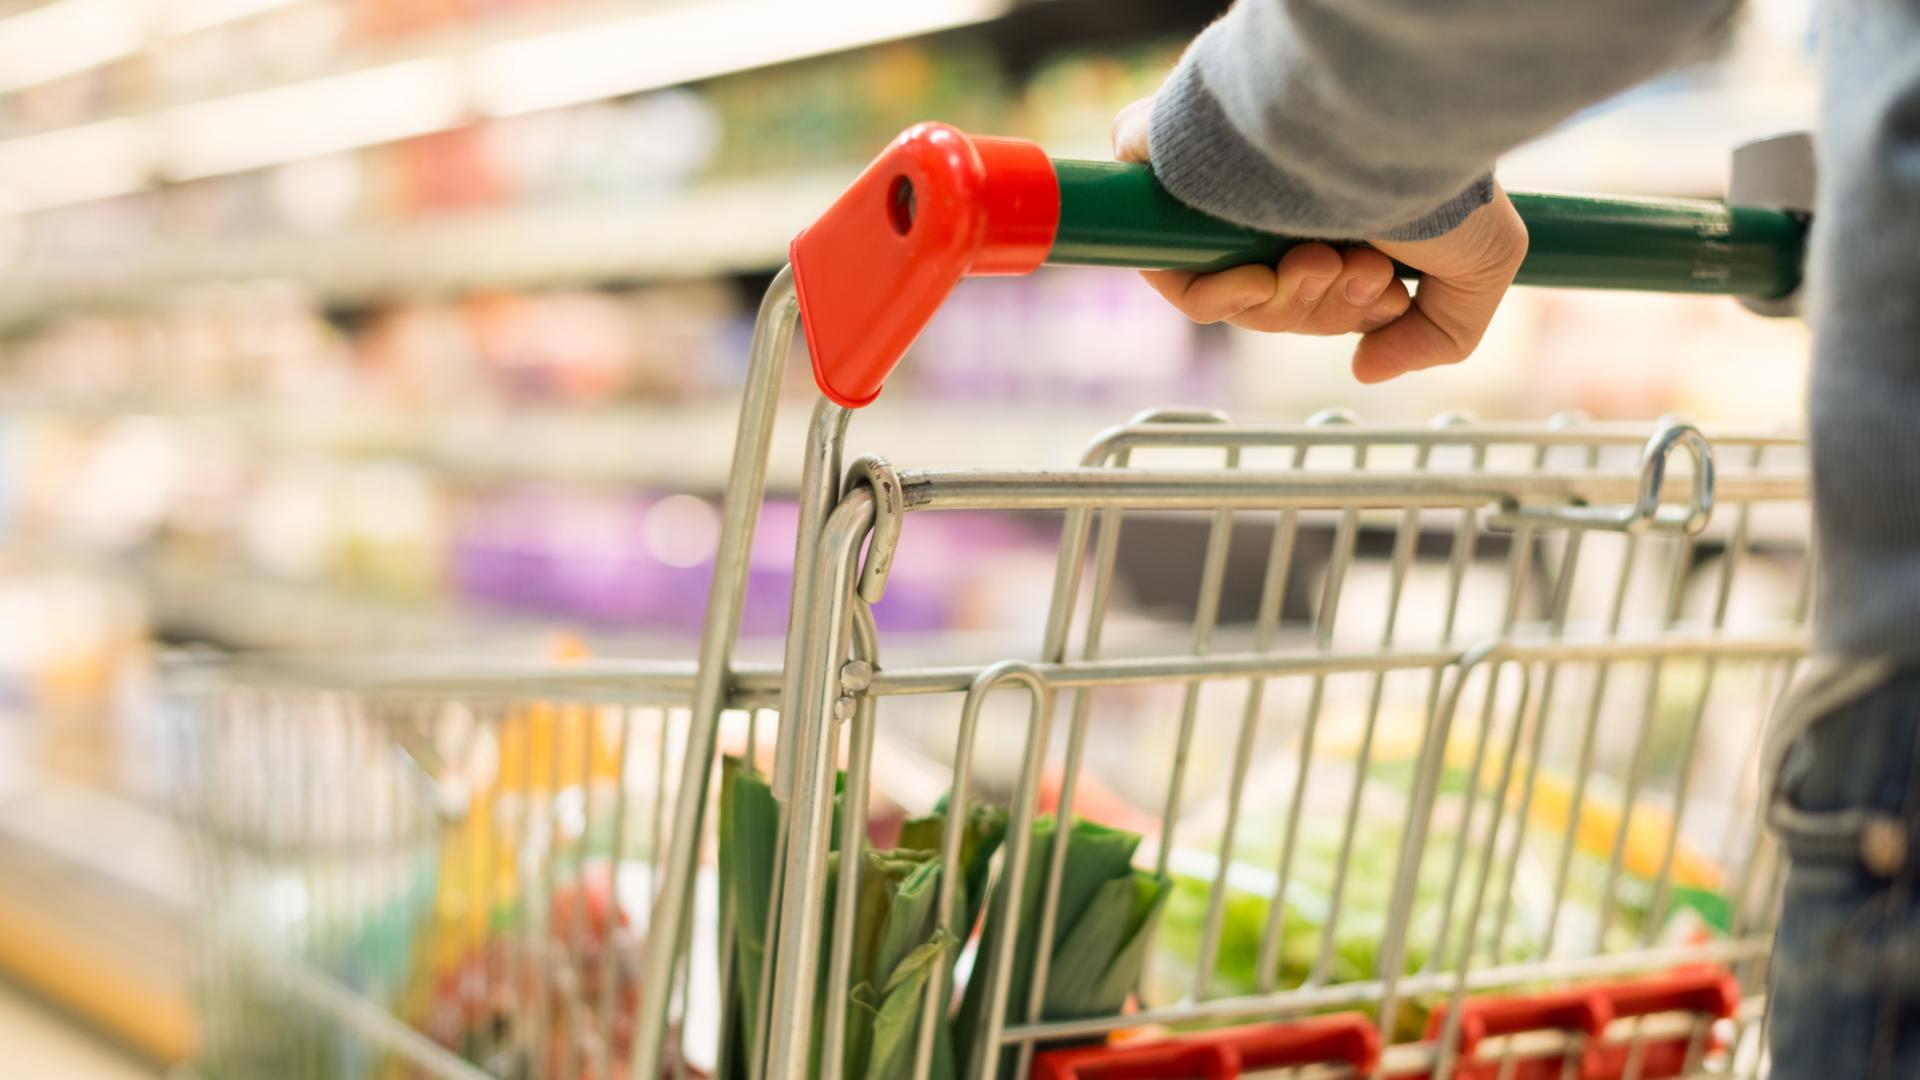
(1346, 1039)
(1582, 1011)
(1587, 1010)
(1710, 992)
(936, 206)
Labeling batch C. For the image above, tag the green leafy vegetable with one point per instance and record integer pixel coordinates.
(897, 946)
(1103, 919)
(749, 833)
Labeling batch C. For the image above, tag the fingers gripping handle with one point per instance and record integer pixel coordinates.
(939, 205)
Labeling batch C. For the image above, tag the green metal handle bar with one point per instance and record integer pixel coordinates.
(1119, 215)
(939, 205)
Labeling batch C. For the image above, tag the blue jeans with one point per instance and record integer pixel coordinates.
(1846, 964)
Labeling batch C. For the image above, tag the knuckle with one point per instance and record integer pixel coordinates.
(1257, 322)
(1200, 311)
(1278, 320)
(1495, 253)
(1313, 257)
(1509, 244)
(1368, 262)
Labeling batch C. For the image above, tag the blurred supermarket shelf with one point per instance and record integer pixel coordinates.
(1673, 143)
(43, 1042)
(509, 64)
(495, 68)
(722, 227)
(675, 446)
(521, 149)
(217, 604)
(94, 902)
(200, 600)
(743, 225)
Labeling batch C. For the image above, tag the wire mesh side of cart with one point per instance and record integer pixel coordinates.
(1479, 702)
(326, 799)
(1462, 695)
(430, 868)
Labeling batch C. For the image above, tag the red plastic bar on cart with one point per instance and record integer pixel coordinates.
(1346, 1039)
(1707, 992)
(1586, 1011)
(1583, 1011)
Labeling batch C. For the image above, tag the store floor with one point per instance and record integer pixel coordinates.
(43, 1042)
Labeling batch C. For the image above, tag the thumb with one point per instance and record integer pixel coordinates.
(1130, 130)
(1465, 273)
(1446, 322)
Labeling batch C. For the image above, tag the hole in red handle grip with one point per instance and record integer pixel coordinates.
(936, 206)
(900, 205)
(1346, 1039)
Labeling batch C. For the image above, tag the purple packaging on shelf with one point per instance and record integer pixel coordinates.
(558, 553)
(1061, 335)
(590, 558)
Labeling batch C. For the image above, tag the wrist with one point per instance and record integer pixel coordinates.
(1447, 216)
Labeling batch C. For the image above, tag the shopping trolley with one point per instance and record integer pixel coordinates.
(1462, 783)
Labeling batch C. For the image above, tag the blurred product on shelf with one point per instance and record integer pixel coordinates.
(73, 669)
(659, 343)
(649, 143)
(1071, 337)
(826, 113)
(1072, 96)
(186, 51)
(133, 489)
(639, 561)
(270, 344)
(833, 111)
(246, 346)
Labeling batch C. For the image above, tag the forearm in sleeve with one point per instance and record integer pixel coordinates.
(1381, 118)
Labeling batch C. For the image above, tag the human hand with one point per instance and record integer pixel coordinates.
(1318, 289)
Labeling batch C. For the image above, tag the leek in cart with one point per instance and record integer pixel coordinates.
(1102, 925)
(749, 830)
(897, 946)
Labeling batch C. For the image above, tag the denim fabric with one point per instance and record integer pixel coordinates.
(1846, 964)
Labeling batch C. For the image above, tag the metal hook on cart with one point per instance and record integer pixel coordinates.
(1326, 417)
(875, 472)
(1178, 415)
(1645, 512)
(1675, 432)
(1331, 417)
(1114, 446)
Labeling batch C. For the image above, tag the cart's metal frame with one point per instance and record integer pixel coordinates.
(1574, 486)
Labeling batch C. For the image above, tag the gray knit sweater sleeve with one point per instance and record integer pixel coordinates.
(1381, 118)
